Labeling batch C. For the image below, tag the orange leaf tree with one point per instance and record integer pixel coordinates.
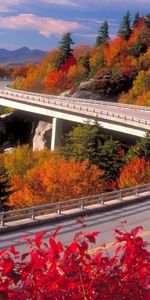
(136, 172)
(56, 181)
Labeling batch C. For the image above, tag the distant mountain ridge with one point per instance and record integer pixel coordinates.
(21, 56)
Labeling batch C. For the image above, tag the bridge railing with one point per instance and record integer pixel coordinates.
(82, 108)
(74, 99)
(79, 203)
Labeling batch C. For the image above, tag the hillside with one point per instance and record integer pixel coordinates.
(20, 56)
(115, 68)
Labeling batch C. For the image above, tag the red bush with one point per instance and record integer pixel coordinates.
(52, 271)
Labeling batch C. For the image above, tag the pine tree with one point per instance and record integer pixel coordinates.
(125, 27)
(82, 143)
(65, 47)
(87, 142)
(147, 20)
(141, 149)
(103, 37)
(136, 19)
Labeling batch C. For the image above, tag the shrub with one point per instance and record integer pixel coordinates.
(52, 271)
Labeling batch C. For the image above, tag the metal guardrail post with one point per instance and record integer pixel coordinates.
(82, 205)
(102, 199)
(137, 191)
(120, 196)
(32, 214)
(2, 219)
(58, 209)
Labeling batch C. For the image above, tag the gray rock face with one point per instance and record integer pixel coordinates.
(19, 128)
(85, 85)
(86, 91)
(42, 137)
(16, 128)
(82, 94)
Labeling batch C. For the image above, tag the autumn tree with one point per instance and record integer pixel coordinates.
(56, 181)
(103, 36)
(4, 189)
(143, 99)
(140, 38)
(96, 61)
(125, 27)
(22, 159)
(136, 172)
(76, 74)
(116, 51)
(140, 85)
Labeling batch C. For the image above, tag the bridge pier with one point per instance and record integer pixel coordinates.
(56, 133)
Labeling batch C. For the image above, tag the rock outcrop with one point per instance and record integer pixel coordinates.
(86, 90)
(16, 128)
(42, 137)
(19, 128)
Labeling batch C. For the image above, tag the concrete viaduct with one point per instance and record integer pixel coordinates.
(130, 119)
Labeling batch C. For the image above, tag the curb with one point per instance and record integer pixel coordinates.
(82, 213)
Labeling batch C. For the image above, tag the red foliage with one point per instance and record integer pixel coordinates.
(52, 271)
(57, 82)
(69, 63)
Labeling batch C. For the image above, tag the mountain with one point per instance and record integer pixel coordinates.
(21, 56)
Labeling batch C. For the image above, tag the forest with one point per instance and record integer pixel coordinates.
(118, 67)
(90, 162)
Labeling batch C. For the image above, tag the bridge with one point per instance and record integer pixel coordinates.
(129, 119)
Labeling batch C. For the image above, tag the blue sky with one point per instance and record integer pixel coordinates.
(41, 23)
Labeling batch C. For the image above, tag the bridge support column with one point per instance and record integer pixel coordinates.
(56, 133)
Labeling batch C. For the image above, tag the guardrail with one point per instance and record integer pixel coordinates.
(74, 99)
(80, 203)
(82, 108)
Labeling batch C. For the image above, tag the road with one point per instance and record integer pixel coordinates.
(105, 222)
(71, 108)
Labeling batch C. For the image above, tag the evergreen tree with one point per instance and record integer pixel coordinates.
(82, 143)
(136, 19)
(141, 149)
(85, 61)
(103, 37)
(87, 142)
(111, 158)
(125, 27)
(4, 190)
(65, 47)
(147, 20)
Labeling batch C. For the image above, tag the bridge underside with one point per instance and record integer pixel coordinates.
(58, 115)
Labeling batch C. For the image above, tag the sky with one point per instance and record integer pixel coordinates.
(40, 24)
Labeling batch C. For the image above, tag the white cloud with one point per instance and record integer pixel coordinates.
(99, 3)
(111, 3)
(6, 5)
(43, 25)
(61, 2)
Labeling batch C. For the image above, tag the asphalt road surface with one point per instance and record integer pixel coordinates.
(105, 222)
